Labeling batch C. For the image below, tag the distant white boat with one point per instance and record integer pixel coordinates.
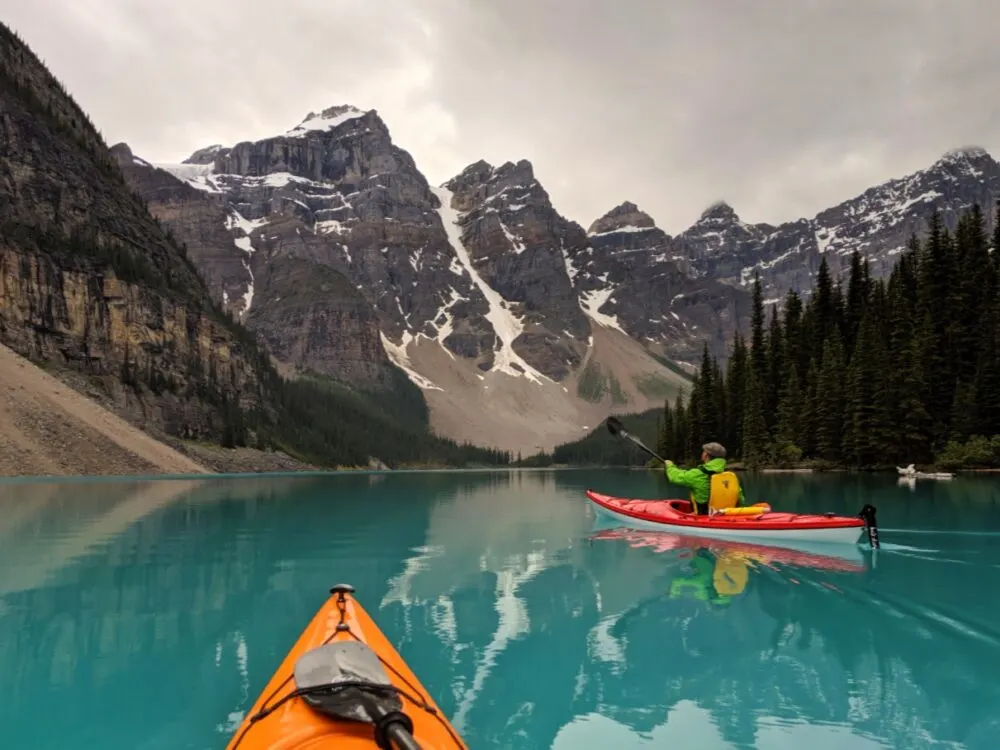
(911, 473)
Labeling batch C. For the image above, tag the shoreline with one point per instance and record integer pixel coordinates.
(13, 479)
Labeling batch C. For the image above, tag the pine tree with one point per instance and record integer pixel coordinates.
(755, 437)
(775, 370)
(794, 349)
(721, 404)
(708, 415)
(857, 296)
(988, 373)
(821, 306)
(866, 425)
(964, 413)
(790, 412)
(829, 415)
(693, 439)
(758, 353)
(680, 430)
(735, 385)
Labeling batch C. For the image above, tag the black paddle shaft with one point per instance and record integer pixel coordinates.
(616, 428)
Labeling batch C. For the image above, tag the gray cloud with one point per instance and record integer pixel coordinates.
(781, 107)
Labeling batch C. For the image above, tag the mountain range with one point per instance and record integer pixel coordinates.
(521, 328)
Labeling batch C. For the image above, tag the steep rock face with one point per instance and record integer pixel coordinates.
(632, 276)
(720, 245)
(336, 192)
(152, 356)
(308, 312)
(89, 281)
(193, 217)
(516, 241)
(312, 317)
(878, 223)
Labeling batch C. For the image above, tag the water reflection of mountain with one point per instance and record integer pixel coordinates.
(150, 605)
(581, 629)
(147, 608)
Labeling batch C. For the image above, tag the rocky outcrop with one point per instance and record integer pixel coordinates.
(336, 192)
(287, 284)
(516, 243)
(195, 218)
(360, 206)
(163, 362)
(720, 245)
(633, 276)
(89, 281)
(309, 315)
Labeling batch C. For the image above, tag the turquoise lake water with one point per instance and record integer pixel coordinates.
(149, 614)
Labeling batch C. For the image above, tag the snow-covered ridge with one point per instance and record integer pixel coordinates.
(592, 301)
(622, 230)
(325, 121)
(965, 152)
(506, 325)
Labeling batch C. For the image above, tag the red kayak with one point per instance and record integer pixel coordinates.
(673, 515)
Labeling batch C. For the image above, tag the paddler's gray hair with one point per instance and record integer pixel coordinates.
(715, 450)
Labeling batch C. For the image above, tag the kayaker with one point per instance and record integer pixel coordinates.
(712, 485)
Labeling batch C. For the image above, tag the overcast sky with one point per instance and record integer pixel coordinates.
(780, 107)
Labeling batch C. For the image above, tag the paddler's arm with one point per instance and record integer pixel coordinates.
(683, 477)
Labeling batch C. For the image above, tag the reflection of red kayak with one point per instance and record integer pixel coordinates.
(670, 515)
(664, 541)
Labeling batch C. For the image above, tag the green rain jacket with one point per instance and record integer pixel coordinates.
(698, 481)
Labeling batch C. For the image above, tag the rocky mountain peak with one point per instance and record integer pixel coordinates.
(479, 171)
(624, 216)
(964, 162)
(327, 120)
(719, 212)
(965, 153)
(512, 184)
(519, 172)
(123, 156)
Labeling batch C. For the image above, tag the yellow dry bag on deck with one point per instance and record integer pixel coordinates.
(723, 491)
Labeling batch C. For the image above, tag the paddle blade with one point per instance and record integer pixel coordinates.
(614, 426)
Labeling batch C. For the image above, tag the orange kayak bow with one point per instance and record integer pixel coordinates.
(344, 686)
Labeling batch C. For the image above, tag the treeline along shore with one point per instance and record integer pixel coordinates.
(859, 373)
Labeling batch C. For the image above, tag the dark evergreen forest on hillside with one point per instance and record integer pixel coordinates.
(859, 373)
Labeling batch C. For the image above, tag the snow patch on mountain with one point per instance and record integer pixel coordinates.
(397, 353)
(327, 120)
(506, 325)
(592, 301)
(447, 325)
(235, 220)
(198, 176)
(625, 228)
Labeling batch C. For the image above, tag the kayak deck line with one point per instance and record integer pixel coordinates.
(677, 514)
(343, 685)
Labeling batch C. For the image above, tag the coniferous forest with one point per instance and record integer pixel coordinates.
(862, 372)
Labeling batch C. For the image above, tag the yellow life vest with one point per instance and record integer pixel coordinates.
(723, 490)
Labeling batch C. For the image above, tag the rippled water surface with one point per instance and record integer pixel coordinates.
(149, 614)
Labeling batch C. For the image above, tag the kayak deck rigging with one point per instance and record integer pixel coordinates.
(343, 685)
